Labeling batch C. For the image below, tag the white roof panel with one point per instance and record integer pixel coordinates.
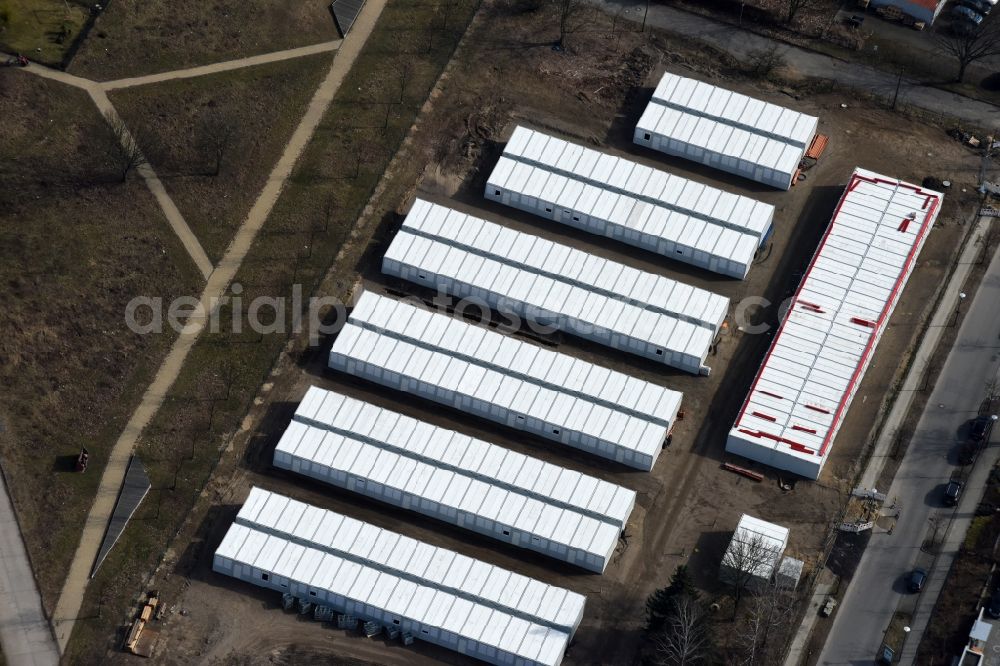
(465, 596)
(495, 360)
(824, 346)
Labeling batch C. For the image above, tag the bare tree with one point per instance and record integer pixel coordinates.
(764, 62)
(749, 558)
(215, 135)
(404, 68)
(759, 636)
(685, 639)
(793, 8)
(568, 11)
(969, 45)
(120, 146)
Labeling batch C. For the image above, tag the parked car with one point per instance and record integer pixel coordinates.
(952, 492)
(915, 581)
(981, 428)
(993, 607)
(967, 454)
(979, 6)
(967, 14)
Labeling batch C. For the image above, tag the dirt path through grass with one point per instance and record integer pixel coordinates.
(71, 599)
(215, 68)
(170, 211)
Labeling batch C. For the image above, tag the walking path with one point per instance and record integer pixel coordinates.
(153, 182)
(216, 67)
(24, 632)
(98, 93)
(71, 599)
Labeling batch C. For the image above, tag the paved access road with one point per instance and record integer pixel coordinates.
(24, 632)
(878, 587)
(740, 43)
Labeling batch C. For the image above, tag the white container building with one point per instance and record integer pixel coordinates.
(819, 356)
(506, 380)
(630, 202)
(455, 478)
(533, 278)
(725, 130)
(755, 549)
(434, 594)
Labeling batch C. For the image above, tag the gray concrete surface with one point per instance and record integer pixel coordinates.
(740, 43)
(878, 586)
(25, 635)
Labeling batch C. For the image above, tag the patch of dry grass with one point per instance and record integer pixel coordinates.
(75, 247)
(249, 113)
(133, 37)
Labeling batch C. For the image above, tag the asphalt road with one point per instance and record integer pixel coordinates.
(741, 43)
(878, 586)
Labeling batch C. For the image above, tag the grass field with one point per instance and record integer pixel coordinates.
(314, 215)
(188, 33)
(43, 30)
(260, 106)
(74, 249)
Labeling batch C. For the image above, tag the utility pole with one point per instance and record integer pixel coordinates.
(899, 83)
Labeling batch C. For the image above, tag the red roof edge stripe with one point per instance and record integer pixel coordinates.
(856, 179)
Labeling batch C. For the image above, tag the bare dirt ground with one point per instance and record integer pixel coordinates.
(75, 247)
(133, 37)
(246, 115)
(687, 506)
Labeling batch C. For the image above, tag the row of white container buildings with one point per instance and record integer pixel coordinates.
(726, 130)
(630, 202)
(434, 594)
(828, 338)
(557, 286)
(457, 479)
(506, 380)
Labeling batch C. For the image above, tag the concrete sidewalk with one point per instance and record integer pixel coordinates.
(25, 635)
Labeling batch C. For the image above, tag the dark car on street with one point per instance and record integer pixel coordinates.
(981, 428)
(993, 607)
(952, 492)
(915, 581)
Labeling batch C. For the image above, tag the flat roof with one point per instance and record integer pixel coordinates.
(727, 122)
(401, 576)
(545, 276)
(632, 196)
(822, 349)
(653, 186)
(457, 356)
(562, 506)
